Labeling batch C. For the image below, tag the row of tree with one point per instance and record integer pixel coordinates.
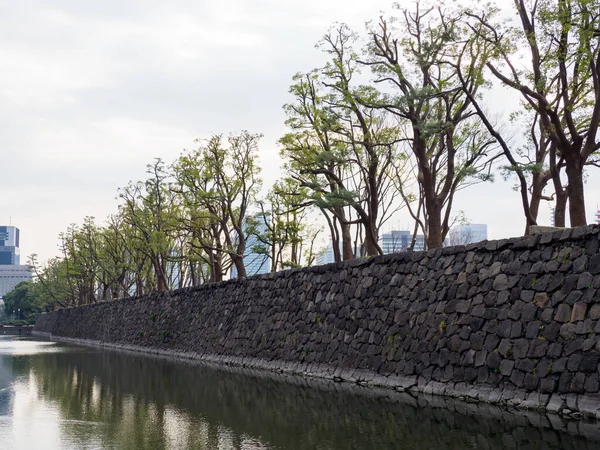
(425, 126)
(186, 224)
(402, 116)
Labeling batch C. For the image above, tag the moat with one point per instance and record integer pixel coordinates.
(56, 396)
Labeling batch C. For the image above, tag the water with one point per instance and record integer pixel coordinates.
(55, 396)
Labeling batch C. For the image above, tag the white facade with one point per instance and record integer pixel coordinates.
(326, 256)
(10, 276)
(467, 234)
(397, 241)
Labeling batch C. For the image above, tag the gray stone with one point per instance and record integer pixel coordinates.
(547, 385)
(595, 311)
(563, 313)
(500, 282)
(537, 348)
(592, 384)
(517, 378)
(594, 265)
(556, 404)
(564, 383)
(493, 360)
(506, 367)
(578, 383)
(589, 362)
(531, 381)
(491, 342)
(520, 348)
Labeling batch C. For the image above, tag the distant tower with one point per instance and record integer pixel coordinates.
(9, 246)
(11, 270)
(598, 216)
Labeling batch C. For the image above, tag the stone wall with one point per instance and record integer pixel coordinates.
(512, 322)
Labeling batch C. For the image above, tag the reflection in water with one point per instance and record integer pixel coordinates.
(57, 396)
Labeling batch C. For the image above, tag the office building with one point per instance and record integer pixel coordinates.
(467, 234)
(598, 217)
(255, 261)
(326, 256)
(397, 241)
(12, 275)
(9, 246)
(11, 272)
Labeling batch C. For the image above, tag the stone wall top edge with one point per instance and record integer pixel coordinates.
(514, 243)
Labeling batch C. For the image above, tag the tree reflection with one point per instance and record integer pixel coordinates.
(146, 403)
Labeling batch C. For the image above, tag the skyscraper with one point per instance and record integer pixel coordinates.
(400, 241)
(255, 262)
(326, 256)
(11, 272)
(9, 246)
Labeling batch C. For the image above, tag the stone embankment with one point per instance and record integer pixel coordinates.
(512, 322)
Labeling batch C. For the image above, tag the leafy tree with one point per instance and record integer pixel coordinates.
(282, 229)
(340, 149)
(150, 210)
(218, 183)
(559, 80)
(449, 147)
(25, 297)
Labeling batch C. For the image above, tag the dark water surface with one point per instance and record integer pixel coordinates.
(56, 396)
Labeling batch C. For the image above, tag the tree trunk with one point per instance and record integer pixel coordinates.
(372, 247)
(194, 274)
(139, 285)
(560, 209)
(574, 169)
(534, 203)
(347, 252)
(239, 266)
(434, 235)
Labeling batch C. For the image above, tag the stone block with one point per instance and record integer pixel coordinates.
(578, 383)
(556, 404)
(537, 348)
(541, 300)
(517, 378)
(594, 313)
(592, 384)
(547, 385)
(520, 348)
(493, 360)
(531, 381)
(594, 265)
(589, 362)
(500, 282)
(506, 367)
(563, 313)
(578, 313)
(564, 383)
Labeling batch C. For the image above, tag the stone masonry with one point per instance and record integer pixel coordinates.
(513, 322)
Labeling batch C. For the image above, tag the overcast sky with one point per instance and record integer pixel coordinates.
(91, 92)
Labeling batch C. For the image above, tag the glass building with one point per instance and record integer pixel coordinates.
(11, 272)
(255, 262)
(9, 246)
(399, 241)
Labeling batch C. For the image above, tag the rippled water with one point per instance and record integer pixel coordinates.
(55, 396)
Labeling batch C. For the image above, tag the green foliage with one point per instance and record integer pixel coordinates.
(24, 303)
